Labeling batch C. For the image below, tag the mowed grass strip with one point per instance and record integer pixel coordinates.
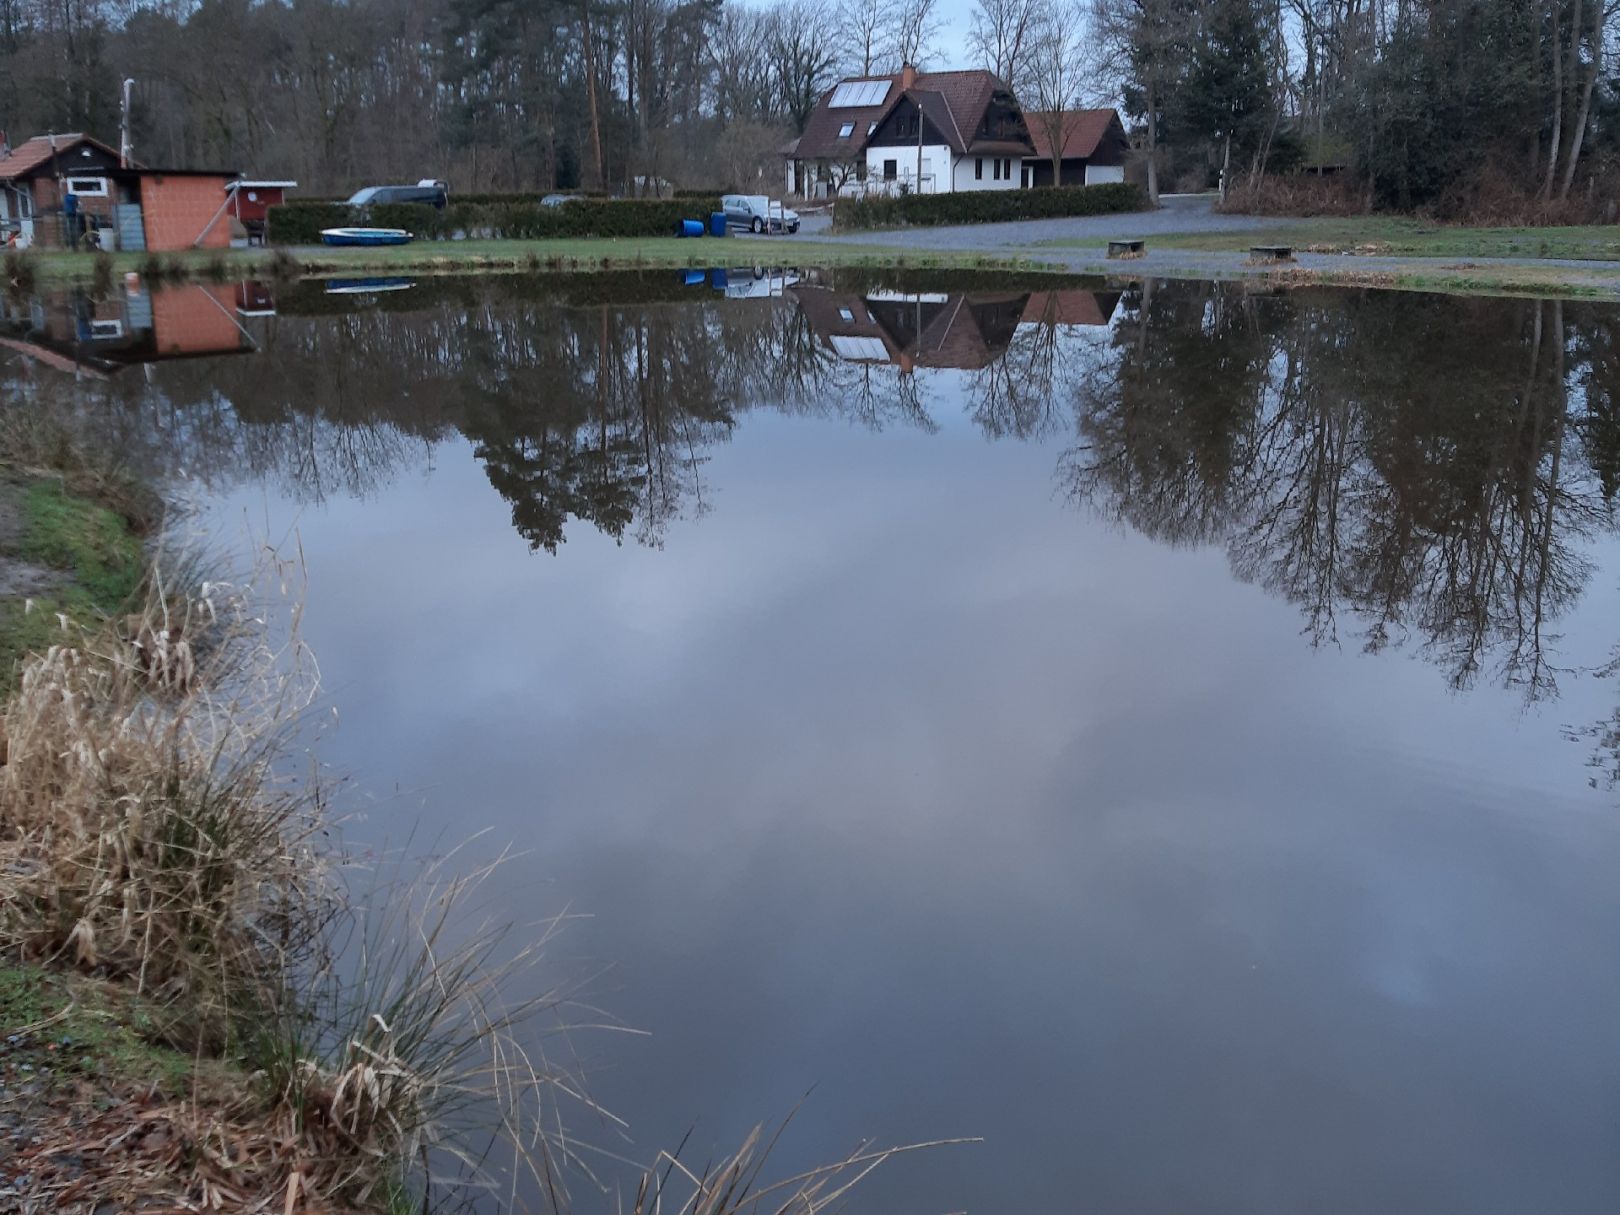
(1391, 236)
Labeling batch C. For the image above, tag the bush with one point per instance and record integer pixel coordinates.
(516, 217)
(989, 206)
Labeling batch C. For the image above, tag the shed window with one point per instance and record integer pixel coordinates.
(845, 131)
(88, 187)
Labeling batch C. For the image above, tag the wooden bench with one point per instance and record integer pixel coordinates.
(1271, 253)
(1132, 247)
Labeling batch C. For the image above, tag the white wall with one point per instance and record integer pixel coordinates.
(936, 167)
(965, 179)
(1098, 174)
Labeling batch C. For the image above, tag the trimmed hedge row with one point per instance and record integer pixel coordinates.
(300, 223)
(989, 206)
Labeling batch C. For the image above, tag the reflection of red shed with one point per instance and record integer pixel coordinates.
(196, 319)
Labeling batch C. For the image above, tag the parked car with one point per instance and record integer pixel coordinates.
(758, 213)
(426, 192)
(557, 200)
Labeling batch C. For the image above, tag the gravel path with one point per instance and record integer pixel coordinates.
(1193, 213)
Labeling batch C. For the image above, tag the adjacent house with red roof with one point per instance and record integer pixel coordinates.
(1093, 147)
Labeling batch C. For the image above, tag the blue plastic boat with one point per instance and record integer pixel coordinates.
(366, 236)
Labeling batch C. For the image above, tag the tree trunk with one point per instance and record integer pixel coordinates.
(1577, 135)
(590, 91)
(1557, 138)
(1153, 141)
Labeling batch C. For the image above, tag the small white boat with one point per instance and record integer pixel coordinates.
(366, 236)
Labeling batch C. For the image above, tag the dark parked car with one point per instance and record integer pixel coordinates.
(426, 192)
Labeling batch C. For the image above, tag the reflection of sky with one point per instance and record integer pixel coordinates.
(895, 776)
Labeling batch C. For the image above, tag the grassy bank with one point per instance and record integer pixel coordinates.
(505, 256)
(1393, 236)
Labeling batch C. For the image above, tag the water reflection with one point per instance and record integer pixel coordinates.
(1396, 465)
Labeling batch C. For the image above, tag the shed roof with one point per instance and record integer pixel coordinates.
(28, 157)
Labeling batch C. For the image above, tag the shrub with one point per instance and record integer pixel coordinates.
(516, 217)
(989, 206)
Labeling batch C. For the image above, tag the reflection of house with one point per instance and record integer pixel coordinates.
(70, 329)
(1070, 308)
(60, 190)
(1094, 145)
(958, 330)
(930, 132)
(964, 330)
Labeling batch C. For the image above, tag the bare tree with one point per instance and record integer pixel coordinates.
(1002, 34)
(914, 24)
(802, 55)
(864, 27)
(1055, 74)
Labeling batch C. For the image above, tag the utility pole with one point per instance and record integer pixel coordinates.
(123, 128)
(919, 145)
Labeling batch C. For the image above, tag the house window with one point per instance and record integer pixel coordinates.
(891, 170)
(847, 315)
(870, 127)
(995, 169)
(845, 131)
(978, 169)
(88, 187)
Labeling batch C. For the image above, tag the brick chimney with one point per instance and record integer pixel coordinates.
(908, 76)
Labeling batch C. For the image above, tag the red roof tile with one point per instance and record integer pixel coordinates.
(1082, 131)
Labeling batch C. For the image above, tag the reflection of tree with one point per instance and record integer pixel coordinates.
(1407, 460)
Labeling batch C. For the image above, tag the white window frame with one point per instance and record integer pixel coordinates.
(106, 331)
(73, 184)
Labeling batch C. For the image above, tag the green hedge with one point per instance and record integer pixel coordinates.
(989, 206)
(300, 223)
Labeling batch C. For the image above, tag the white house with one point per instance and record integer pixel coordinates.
(930, 132)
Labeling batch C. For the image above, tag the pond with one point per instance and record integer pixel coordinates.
(1169, 730)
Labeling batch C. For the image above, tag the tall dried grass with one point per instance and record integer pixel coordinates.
(147, 824)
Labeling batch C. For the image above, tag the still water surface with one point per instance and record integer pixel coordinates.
(1164, 731)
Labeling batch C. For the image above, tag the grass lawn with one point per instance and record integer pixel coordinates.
(520, 255)
(1393, 236)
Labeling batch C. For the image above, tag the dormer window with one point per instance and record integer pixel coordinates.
(845, 131)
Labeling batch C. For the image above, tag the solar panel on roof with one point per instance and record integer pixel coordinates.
(854, 93)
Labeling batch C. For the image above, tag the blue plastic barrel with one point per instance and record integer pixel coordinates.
(717, 224)
(689, 227)
(694, 278)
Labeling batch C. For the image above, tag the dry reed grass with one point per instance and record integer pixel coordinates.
(146, 826)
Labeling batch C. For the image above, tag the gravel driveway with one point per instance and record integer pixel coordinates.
(1178, 213)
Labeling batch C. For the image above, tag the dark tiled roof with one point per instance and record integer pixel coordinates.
(1082, 131)
(820, 140)
(26, 157)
